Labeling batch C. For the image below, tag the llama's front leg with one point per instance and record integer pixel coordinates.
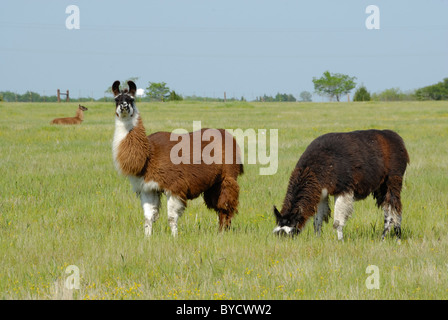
(175, 208)
(343, 208)
(151, 204)
(225, 220)
(323, 212)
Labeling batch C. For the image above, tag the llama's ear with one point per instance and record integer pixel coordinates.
(116, 88)
(132, 88)
(277, 213)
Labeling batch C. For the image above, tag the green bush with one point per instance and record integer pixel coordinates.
(362, 94)
(438, 91)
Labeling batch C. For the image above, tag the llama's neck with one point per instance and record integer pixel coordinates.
(80, 114)
(130, 146)
(302, 196)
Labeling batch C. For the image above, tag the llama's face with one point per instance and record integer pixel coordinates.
(124, 105)
(286, 224)
(124, 100)
(82, 108)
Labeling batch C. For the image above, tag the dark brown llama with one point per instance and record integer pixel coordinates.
(72, 120)
(148, 163)
(349, 166)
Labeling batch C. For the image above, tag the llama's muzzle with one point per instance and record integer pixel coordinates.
(284, 231)
(124, 109)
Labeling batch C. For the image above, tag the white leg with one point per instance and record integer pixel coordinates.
(175, 208)
(323, 212)
(391, 217)
(343, 208)
(151, 204)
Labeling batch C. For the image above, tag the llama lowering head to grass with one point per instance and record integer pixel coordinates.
(146, 161)
(72, 120)
(350, 166)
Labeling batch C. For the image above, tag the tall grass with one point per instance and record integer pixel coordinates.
(62, 203)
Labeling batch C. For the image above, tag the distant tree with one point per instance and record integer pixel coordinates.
(266, 98)
(209, 99)
(31, 96)
(361, 94)
(9, 96)
(174, 96)
(391, 94)
(305, 96)
(158, 91)
(334, 85)
(438, 91)
(283, 97)
(279, 97)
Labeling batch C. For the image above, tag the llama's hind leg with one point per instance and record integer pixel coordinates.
(211, 198)
(343, 208)
(227, 202)
(151, 204)
(391, 216)
(392, 206)
(223, 198)
(175, 208)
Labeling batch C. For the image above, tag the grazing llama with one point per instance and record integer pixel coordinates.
(349, 166)
(72, 120)
(146, 161)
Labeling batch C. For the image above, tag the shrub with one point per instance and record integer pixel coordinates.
(362, 94)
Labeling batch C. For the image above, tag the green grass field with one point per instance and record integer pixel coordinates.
(62, 203)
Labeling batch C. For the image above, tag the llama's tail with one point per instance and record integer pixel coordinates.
(228, 198)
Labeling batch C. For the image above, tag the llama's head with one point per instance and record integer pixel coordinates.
(287, 224)
(82, 108)
(124, 100)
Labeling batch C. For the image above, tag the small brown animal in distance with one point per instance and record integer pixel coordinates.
(72, 120)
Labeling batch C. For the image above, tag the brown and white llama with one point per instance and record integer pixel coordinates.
(146, 161)
(349, 166)
(72, 120)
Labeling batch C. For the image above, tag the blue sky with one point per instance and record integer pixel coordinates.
(205, 47)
